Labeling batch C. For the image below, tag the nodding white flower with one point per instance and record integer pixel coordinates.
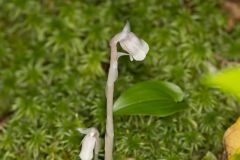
(137, 48)
(90, 143)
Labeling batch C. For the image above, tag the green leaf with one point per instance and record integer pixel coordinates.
(150, 98)
(226, 80)
(236, 156)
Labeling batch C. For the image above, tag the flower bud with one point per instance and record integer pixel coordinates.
(89, 143)
(137, 48)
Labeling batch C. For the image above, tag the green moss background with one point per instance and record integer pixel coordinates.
(54, 56)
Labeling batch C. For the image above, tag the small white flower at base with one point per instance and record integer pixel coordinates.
(90, 143)
(137, 48)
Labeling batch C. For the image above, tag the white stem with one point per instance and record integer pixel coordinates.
(136, 47)
(112, 75)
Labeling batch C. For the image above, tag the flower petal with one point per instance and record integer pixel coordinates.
(122, 35)
(122, 54)
(88, 145)
(126, 28)
(142, 52)
(84, 130)
(136, 47)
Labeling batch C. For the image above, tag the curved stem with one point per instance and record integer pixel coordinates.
(112, 75)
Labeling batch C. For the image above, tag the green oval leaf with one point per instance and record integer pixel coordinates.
(150, 98)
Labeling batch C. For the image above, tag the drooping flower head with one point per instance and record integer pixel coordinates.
(90, 143)
(137, 48)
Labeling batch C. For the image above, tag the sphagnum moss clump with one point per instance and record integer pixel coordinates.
(53, 66)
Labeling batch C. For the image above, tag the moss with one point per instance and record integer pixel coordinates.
(54, 58)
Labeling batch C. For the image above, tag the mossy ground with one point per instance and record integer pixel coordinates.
(53, 63)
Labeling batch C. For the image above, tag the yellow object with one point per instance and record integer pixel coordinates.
(227, 80)
(232, 140)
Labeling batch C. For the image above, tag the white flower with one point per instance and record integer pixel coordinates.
(137, 48)
(89, 143)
